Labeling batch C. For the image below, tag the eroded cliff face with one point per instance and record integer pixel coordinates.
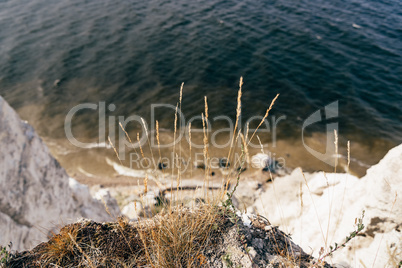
(36, 194)
(324, 212)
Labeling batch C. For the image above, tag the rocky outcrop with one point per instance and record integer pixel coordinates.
(179, 238)
(36, 194)
(320, 209)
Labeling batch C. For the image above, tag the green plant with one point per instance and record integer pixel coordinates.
(227, 260)
(230, 209)
(228, 205)
(332, 249)
(5, 254)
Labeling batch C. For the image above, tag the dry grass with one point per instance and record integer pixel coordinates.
(183, 237)
(87, 244)
(62, 248)
(173, 238)
(179, 237)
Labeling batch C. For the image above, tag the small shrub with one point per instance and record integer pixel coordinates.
(227, 260)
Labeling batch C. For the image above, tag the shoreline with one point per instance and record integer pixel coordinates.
(99, 164)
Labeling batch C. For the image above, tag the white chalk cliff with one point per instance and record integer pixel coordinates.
(324, 212)
(36, 194)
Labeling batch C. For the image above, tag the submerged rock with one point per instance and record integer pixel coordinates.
(224, 162)
(267, 163)
(36, 194)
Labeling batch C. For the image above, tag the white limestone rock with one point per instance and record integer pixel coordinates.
(93, 207)
(131, 210)
(103, 197)
(260, 161)
(35, 193)
(325, 212)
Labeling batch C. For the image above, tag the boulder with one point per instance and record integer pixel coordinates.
(93, 207)
(131, 211)
(36, 194)
(261, 161)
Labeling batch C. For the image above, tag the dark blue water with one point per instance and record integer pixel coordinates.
(135, 53)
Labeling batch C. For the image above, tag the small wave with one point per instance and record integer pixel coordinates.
(98, 145)
(360, 163)
(90, 175)
(125, 171)
(129, 172)
(356, 26)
